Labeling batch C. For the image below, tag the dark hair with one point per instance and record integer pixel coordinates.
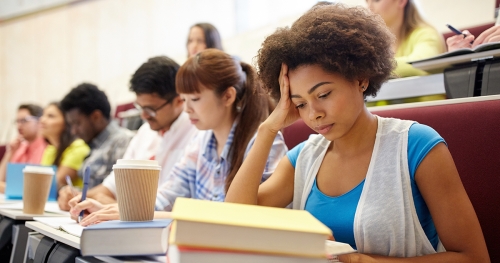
(33, 109)
(86, 98)
(212, 36)
(349, 41)
(66, 137)
(157, 75)
(218, 71)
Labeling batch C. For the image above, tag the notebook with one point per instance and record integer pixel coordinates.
(15, 178)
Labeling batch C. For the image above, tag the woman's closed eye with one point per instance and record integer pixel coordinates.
(324, 95)
(300, 106)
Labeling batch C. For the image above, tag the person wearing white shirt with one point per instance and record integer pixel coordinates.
(168, 129)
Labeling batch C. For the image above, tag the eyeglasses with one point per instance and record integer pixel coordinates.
(150, 111)
(25, 120)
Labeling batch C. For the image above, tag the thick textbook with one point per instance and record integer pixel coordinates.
(251, 228)
(118, 238)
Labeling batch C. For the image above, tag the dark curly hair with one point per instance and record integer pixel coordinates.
(349, 41)
(157, 75)
(87, 98)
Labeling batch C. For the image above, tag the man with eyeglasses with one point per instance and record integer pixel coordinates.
(167, 130)
(29, 145)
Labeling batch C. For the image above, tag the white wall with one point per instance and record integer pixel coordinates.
(43, 55)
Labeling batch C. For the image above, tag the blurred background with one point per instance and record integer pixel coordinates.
(49, 46)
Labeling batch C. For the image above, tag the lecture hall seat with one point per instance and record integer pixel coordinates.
(471, 128)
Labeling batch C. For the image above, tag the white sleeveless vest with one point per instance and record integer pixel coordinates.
(385, 222)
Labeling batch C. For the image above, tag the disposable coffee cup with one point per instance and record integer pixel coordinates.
(136, 187)
(37, 182)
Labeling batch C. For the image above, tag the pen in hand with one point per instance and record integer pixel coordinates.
(86, 178)
(456, 31)
(70, 185)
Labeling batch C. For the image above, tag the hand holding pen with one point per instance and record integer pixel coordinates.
(461, 40)
(86, 178)
(70, 185)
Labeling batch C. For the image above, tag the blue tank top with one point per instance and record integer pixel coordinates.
(338, 212)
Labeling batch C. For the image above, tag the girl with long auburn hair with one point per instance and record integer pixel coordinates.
(226, 102)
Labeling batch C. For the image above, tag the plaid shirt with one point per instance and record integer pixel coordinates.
(105, 149)
(201, 173)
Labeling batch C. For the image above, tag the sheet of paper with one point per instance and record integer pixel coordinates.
(73, 228)
(55, 222)
(337, 248)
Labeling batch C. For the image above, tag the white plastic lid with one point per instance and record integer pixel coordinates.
(136, 164)
(38, 170)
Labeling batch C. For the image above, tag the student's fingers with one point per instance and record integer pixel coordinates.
(104, 199)
(284, 83)
(453, 39)
(457, 42)
(90, 205)
(63, 198)
(488, 33)
(492, 36)
(75, 200)
(494, 39)
(99, 216)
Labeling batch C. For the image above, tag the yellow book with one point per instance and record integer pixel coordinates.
(260, 229)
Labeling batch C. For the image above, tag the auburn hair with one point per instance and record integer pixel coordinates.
(219, 71)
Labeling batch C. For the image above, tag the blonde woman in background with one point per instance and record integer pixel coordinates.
(415, 38)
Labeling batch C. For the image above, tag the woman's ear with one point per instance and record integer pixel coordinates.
(229, 96)
(363, 84)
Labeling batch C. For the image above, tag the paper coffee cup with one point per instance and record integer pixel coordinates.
(136, 187)
(37, 182)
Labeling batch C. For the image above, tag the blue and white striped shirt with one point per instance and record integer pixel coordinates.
(201, 173)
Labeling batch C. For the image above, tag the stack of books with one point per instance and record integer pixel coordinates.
(204, 231)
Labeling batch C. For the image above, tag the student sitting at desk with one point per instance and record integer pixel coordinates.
(88, 112)
(64, 150)
(29, 145)
(165, 134)
(170, 122)
(415, 38)
(388, 187)
(226, 102)
(490, 35)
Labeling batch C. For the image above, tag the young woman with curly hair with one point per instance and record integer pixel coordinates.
(388, 187)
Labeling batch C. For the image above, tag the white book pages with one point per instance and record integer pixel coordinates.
(65, 224)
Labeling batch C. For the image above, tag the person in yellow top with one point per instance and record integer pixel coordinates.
(64, 150)
(415, 38)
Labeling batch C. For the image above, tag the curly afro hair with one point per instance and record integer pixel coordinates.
(349, 41)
